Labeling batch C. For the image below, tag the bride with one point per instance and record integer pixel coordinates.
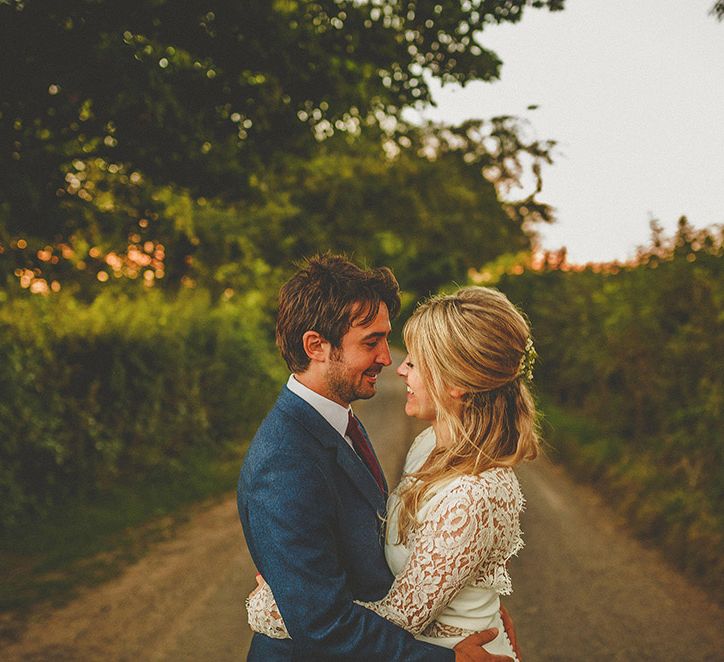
(453, 521)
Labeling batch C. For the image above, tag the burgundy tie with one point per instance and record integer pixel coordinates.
(362, 447)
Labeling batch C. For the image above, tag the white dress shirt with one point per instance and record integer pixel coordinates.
(335, 414)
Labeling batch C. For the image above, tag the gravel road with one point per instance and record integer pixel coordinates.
(584, 589)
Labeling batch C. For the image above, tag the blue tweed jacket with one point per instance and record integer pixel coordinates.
(311, 513)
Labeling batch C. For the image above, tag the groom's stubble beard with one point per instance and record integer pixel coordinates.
(343, 383)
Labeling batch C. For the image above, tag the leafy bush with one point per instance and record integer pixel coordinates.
(637, 351)
(94, 394)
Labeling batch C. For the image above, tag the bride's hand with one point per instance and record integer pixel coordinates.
(263, 587)
(263, 614)
(259, 583)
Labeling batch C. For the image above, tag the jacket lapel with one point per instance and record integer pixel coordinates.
(347, 459)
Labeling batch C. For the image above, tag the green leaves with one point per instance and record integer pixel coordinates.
(92, 395)
(638, 346)
(151, 88)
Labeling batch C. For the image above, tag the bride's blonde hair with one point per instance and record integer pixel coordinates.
(474, 341)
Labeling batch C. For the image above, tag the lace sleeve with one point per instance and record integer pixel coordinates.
(447, 550)
(263, 614)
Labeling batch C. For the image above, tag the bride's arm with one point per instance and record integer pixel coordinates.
(452, 541)
(447, 550)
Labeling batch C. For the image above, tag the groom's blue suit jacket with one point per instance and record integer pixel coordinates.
(311, 513)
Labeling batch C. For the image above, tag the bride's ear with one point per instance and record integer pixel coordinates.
(456, 392)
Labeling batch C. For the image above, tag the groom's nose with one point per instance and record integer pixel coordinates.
(384, 357)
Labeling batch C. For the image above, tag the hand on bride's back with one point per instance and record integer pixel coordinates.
(470, 649)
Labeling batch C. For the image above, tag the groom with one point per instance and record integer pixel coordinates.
(311, 492)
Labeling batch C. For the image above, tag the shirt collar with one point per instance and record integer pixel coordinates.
(335, 414)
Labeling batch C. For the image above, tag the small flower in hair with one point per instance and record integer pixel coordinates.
(527, 361)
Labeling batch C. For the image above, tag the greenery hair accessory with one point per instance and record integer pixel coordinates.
(527, 361)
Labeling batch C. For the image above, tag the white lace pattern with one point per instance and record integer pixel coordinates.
(469, 531)
(263, 614)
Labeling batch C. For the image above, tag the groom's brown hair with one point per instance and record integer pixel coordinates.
(327, 295)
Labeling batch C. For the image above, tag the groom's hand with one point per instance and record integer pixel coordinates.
(469, 649)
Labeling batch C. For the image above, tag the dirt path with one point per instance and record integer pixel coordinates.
(181, 601)
(584, 590)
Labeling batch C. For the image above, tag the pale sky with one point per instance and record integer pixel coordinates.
(633, 91)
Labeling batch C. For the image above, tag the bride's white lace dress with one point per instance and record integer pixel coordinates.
(449, 576)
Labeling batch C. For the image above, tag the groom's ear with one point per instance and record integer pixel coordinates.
(316, 346)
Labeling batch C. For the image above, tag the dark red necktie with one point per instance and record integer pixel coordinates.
(362, 447)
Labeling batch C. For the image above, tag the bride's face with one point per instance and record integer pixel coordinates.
(419, 403)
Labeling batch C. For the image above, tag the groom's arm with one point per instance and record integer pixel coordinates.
(291, 518)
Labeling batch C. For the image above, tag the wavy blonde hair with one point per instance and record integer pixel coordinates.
(473, 341)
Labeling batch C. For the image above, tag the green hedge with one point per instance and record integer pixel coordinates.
(96, 394)
(686, 522)
(631, 362)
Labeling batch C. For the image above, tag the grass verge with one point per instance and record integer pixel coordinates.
(86, 542)
(664, 504)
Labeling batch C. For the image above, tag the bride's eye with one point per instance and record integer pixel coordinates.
(409, 364)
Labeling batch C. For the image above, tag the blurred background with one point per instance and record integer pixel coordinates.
(165, 164)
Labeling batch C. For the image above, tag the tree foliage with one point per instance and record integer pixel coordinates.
(424, 208)
(631, 362)
(639, 347)
(626, 342)
(200, 95)
(96, 394)
(106, 105)
(431, 203)
(718, 9)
